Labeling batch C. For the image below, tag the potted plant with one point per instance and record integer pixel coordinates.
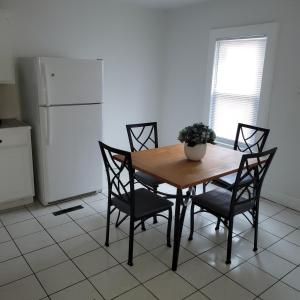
(195, 138)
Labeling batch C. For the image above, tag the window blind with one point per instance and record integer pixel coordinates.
(236, 84)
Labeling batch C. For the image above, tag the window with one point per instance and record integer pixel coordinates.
(235, 94)
(240, 71)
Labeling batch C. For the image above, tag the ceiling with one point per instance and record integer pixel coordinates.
(163, 3)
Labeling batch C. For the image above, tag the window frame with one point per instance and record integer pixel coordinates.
(269, 30)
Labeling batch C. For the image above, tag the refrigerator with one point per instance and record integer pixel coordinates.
(62, 100)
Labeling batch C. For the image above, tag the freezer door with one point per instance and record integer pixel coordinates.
(69, 81)
(72, 159)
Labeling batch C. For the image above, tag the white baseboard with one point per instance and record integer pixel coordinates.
(280, 198)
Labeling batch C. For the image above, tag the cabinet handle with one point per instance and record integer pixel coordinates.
(0, 141)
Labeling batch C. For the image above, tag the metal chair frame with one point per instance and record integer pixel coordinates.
(259, 142)
(245, 146)
(255, 166)
(135, 137)
(124, 191)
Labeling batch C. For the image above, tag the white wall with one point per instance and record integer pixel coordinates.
(138, 73)
(127, 37)
(187, 36)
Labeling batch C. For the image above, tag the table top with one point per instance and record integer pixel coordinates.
(170, 165)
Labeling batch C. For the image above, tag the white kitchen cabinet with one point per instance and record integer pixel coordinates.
(16, 174)
(6, 61)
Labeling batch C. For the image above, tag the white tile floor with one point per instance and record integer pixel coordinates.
(64, 257)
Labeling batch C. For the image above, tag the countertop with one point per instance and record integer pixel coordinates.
(11, 123)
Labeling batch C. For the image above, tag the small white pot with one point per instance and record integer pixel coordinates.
(195, 153)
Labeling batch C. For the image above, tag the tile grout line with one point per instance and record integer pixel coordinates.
(278, 242)
(197, 291)
(296, 265)
(118, 263)
(280, 280)
(246, 261)
(277, 280)
(162, 261)
(194, 256)
(121, 263)
(70, 261)
(149, 251)
(33, 273)
(203, 252)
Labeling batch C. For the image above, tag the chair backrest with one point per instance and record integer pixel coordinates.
(250, 138)
(250, 176)
(142, 136)
(120, 174)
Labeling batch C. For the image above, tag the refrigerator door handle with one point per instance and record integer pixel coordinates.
(48, 116)
(44, 74)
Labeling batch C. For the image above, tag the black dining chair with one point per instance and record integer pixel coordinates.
(137, 204)
(249, 139)
(243, 197)
(143, 136)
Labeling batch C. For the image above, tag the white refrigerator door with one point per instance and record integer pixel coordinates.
(71, 154)
(66, 81)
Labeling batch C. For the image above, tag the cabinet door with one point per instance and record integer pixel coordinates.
(6, 62)
(15, 173)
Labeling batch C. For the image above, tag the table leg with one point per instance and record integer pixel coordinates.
(179, 219)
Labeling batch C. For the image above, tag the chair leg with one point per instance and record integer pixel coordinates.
(107, 226)
(131, 236)
(255, 210)
(218, 224)
(255, 230)
(119, 213)
(253, 218)
(155, 217)
(169, 228)
(192, 222)
(204, 187)
(229, 241)
(143, 225)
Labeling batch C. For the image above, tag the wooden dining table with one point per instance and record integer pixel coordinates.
(170, 165)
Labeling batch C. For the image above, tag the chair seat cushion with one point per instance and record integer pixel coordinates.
(147, 179)
(218, 202)
(146, 204)
(228, 181)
